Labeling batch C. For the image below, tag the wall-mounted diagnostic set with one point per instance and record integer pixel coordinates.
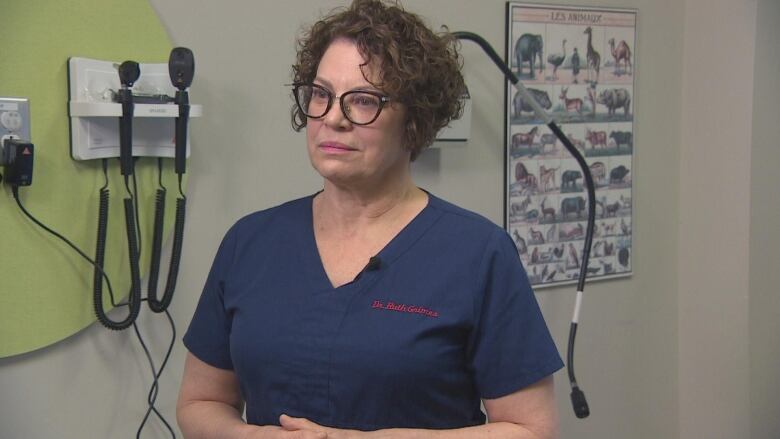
(127, 111)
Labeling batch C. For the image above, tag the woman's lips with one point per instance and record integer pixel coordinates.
(335, 148)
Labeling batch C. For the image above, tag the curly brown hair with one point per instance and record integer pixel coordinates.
(416, 66)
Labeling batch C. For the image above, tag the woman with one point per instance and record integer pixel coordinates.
(371, 308)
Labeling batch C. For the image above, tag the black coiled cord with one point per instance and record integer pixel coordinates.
(156, 305)
(133, 254)
(134, 297)
(154, 270)
(178, 241)
(100, 274)
(100, 253)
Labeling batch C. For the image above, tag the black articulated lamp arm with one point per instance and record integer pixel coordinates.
(579, 402)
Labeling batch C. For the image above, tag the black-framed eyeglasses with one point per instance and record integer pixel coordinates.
(361, 107)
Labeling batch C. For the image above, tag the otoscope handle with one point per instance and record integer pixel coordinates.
(183, 100)
(125, 97)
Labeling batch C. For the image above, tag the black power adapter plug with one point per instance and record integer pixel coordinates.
(17, 160)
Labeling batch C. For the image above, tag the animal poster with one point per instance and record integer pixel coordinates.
(579, 64)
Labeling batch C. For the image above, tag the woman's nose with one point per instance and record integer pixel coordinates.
(335, 117)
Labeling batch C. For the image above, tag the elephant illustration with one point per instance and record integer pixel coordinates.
(527, 49)
(572, 205)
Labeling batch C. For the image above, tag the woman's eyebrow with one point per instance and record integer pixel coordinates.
(322, 81)
(363, 87)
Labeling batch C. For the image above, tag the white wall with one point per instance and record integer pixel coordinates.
(714, 222)
(642, 341)
(764, 220)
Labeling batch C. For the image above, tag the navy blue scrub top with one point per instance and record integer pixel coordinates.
(447, 317)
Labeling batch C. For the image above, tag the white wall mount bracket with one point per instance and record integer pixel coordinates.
(94, 126)
(459, 130)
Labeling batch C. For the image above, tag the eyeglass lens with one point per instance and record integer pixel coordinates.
(359, 107)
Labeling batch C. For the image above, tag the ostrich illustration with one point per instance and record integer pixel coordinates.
(551, 276)
(556, 59)
(593, 57)
(519, 243)
(621, 52)
(573, 259)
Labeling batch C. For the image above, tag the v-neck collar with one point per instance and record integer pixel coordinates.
(398, 245)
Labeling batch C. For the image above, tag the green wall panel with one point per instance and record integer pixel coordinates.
(45, 287)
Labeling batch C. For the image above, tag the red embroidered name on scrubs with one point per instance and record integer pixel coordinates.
(400, 307)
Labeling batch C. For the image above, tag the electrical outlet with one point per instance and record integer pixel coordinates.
(14, 119)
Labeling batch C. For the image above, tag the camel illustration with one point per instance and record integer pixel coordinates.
(621, 53)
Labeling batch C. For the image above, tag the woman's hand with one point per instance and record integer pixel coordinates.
(291, 424)
(274, 432)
